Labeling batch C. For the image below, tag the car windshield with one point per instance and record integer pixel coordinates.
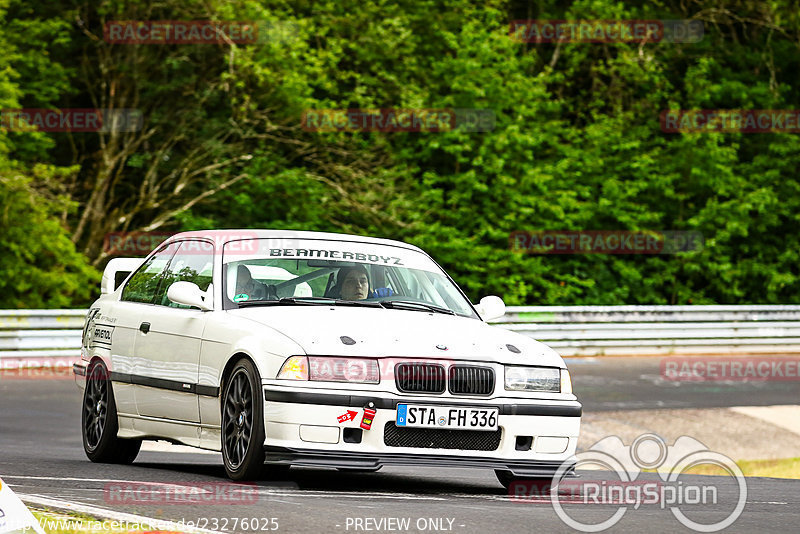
(266, 272)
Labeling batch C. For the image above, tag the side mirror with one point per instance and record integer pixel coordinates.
(188, 294)
(491, 308)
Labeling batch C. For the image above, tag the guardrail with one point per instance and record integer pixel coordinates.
(40, 337)
(630, 330)
(36, 336)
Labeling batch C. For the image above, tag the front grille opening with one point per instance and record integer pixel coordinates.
(471, 380)
(420, 377)
(433, 438)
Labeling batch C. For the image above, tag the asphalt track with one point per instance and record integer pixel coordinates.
(631, 383)
(41, 455)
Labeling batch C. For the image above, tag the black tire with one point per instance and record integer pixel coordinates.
(540, 484)
(243, 423)
(99, 424)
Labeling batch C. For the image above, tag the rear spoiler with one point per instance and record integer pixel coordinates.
(116, 272)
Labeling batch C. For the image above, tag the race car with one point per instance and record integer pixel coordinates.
(283, 348)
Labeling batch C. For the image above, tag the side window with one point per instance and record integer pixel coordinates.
(143, 285)
(192, 263)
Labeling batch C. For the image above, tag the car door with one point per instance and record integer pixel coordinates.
(167, 348)
(124, 319)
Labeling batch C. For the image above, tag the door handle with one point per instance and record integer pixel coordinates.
(144, 327)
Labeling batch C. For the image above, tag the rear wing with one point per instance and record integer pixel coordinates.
(116, 272)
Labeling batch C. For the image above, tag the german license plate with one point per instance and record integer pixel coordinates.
(427, 416)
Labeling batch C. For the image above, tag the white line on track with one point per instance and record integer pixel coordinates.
(106, 480)
(277, 492)
(350, 495)
(288, 492)
(104, 513)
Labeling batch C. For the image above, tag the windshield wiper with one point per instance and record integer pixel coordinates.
(409, 305)
(285, 300)
(309, 301)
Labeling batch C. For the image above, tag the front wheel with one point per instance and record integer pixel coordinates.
(243, 423)
(99, 423)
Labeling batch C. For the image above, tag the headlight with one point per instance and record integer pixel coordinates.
(534, 379)
(331, 369)
(364, 370)
(294, 368)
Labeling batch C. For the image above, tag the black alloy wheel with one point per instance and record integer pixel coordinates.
(99, 424)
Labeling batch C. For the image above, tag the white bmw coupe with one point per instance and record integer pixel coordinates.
(283, 348)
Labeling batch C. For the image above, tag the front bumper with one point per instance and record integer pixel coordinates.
(79, 370)
(302, 427)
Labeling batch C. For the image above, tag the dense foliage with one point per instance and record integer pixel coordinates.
(577, 143)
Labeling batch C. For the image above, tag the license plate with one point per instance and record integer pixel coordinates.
(419, 416)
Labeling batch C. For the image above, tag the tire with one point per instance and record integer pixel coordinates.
(243, 425)
(99, 423)
(541, 484)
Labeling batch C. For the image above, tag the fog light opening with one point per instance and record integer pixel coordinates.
(352, 435)
(524, 443)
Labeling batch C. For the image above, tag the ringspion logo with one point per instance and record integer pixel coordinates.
(621, 486)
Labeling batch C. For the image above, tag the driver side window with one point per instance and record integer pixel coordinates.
(143, 285)
(192, 263)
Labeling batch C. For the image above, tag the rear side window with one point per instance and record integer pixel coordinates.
(143, 285)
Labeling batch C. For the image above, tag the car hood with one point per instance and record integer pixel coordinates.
(387, 333)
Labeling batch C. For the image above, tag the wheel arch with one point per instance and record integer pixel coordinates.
(227, 370)
(99, 358)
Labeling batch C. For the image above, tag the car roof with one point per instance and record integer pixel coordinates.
(223, 236)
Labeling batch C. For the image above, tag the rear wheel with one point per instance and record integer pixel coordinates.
(99, 423)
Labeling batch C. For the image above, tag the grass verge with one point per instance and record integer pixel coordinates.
(783, 468)
(73, 523)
